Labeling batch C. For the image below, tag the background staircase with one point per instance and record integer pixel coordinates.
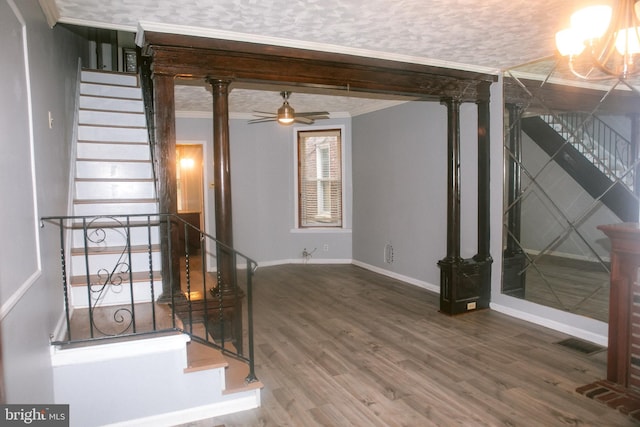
(113, 177)
(593, 154)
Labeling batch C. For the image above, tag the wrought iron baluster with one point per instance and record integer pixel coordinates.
(151, 283)
(65, 286)
(251, 377)
(128, 242)
(88, 276)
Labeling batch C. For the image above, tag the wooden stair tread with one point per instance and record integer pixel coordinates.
(154, 222)
(235, 376)
(110, 97)
(201, 357)
(112, 126)
(87, 159)
(101, 201)
(94, 141)
(94, 250)
(114, 179)
(137, 276)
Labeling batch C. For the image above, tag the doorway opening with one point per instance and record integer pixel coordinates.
(190, 191)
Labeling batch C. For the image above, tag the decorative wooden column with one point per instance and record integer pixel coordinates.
(514, 260)
(623, 354)
(465, 284)
(482, 261)
(484, 174)
(229, 296)
(453, 180)
(165, 153)
(222, 176)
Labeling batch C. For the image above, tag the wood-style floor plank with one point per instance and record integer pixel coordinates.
(337, 345)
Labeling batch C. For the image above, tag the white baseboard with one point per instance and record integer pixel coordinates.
(249, 400)
(588, 335)
(422, 284)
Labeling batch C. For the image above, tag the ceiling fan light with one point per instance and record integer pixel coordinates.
(568, 43)
(591, 22)
(286, 114)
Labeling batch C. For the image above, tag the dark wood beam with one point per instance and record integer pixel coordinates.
(201, 58)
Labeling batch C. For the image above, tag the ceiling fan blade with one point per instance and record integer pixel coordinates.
(262, 120)
(313, 113)
(305, 120)
(270, 113)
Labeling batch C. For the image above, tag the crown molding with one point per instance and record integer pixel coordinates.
(51, 11)
(97, 24)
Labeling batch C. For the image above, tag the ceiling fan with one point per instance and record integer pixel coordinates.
(286, 115)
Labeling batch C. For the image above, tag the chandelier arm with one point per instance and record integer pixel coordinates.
(586, 76)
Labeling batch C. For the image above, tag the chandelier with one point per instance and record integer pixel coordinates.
(602, 41)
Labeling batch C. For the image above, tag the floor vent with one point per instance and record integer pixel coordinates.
(584, 347)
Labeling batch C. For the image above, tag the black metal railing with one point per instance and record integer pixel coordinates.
(607, 149)
(111, 286)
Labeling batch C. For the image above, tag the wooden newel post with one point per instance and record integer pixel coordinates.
(623, 357)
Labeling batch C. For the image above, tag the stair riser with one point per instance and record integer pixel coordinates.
(110, 91)
(116, 295)
(81, 209)
(113, 151)
(111, 104)
(106, 169)
(116, 236)
(119, 79)
(108, 134)
(107, 262)
(114, 190)
(88, 117)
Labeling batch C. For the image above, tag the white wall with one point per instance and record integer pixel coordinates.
(34, 156)
(262, 186)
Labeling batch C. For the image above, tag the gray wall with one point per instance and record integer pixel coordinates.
(262, 182)
(30, 284)
(400, 187)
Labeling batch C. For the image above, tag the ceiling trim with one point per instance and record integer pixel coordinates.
(149, 26)
(51, 11)
(96, 24)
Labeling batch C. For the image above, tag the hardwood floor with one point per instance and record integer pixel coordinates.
(575, 286)
(337, 345)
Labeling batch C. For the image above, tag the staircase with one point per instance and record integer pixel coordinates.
(125, 359)
(113, 176)
(601, 172)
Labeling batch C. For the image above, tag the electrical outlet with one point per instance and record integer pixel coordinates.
(325, 247)
(388, 254)
(471, 305)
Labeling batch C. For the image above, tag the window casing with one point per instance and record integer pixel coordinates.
(319, 178)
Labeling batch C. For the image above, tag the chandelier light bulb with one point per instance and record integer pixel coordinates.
(591, 22)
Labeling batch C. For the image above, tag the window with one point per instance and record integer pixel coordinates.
(320, 178)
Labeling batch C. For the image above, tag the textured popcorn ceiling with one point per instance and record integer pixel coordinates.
(487, 35)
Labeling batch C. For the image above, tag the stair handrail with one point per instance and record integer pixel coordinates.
(146, 85)
(218, 308)
(609, 149)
